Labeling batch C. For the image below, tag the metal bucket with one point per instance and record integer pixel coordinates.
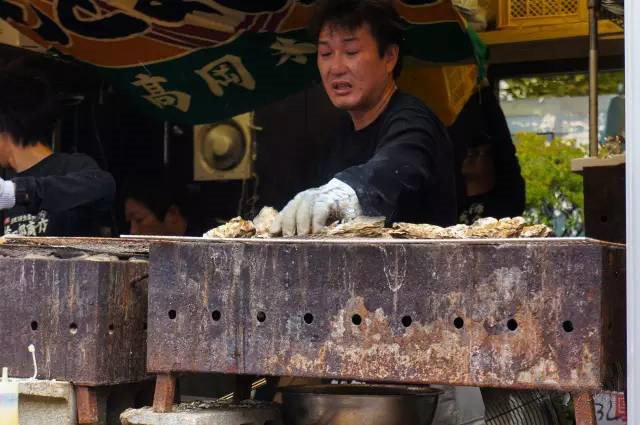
(359, 405)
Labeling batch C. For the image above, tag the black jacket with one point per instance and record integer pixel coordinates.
(482, 121)
(401, 165)
(62, 195)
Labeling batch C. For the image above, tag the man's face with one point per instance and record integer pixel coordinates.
(142, 220)
(353, 73)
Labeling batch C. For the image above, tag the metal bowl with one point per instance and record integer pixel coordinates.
(359, 405)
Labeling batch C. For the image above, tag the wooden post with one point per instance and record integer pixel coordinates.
(164, 394)
(87, 405)
(584, 408)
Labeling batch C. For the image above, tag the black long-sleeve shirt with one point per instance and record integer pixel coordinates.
(62, 195)
(401, 166)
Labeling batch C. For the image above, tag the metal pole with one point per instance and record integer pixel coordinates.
(594, 7)
(632, 133)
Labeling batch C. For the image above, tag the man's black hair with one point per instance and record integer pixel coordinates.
(386, 25)
(29, 107)
(158, 196)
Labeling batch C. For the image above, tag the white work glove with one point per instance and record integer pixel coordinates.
(310, 210)
(7, 194)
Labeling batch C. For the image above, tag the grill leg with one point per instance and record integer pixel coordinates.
(87, 405)
(583, 406)
(164, 394)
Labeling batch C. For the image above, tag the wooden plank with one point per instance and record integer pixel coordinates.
(550, 43)
(579, 164)
(85, 314)
(546, 32)
(118, 247)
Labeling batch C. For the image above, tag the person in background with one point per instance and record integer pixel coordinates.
(159, 210)
(490, 183)
(615, 115)
(44, 193)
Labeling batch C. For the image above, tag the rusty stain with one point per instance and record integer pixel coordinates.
(584, 408)
(510, 299)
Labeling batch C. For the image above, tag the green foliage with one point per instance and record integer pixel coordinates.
(554, 193)
(546, 166)
(560, 85)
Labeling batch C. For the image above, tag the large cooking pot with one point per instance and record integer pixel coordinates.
(359, 405)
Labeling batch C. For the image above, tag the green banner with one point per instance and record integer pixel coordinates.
(202, 61)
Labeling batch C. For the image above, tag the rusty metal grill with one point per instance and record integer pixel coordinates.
(520, 314)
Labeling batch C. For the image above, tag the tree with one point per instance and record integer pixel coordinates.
(554, 193)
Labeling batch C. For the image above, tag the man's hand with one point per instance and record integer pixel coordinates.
(312, 209)
(7, 194)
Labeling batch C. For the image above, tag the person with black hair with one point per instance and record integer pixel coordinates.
(157, 212)
(491, 182)
(44, 193)
(391, 156)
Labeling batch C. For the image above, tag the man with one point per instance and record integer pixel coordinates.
(153, 212)
(392, 156)
(46, 193)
